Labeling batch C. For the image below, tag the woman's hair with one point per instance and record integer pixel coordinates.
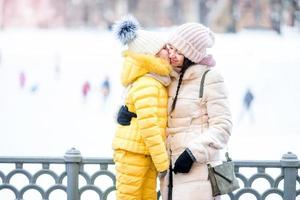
(186, 64)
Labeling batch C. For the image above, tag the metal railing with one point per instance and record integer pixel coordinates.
(74, 168)
(289, 165)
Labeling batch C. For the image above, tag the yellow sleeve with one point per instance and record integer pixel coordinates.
(145, 100)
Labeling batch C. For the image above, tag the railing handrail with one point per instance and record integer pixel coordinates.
(54, 160)
(107, 160)
(257, 163)
(32, 159)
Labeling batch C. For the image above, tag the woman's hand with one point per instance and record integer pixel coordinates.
(184, 163)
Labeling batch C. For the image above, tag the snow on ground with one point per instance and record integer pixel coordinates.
(49, 116)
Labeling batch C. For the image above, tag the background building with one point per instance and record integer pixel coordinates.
(220, 15)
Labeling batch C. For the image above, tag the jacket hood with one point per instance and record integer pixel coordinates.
(137, 65)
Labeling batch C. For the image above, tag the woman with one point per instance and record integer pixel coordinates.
(198, 128)
(139, 142)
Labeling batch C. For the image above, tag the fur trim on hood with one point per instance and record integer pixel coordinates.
(137, 65)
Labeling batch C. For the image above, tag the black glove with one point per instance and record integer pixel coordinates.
(184, 163)
(124, 116)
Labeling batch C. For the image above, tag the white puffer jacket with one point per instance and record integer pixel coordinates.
(201, 124)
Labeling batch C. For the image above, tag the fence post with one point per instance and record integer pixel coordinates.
(72, 159)
(289, 163)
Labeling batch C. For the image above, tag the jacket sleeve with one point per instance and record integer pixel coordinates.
(207, 145)
(145, 100)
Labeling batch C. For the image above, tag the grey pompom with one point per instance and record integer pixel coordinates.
(126, 29)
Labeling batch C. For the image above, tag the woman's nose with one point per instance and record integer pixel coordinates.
(171, 54)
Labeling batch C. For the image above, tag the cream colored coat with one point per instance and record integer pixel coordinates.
(202, 125)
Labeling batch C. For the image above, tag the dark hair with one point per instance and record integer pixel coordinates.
(186, 64)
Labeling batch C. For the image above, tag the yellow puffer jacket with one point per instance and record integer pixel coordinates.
(146, 77)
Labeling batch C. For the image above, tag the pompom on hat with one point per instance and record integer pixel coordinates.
(192, 40)
(128, 31)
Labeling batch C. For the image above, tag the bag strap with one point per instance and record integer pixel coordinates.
(227, 156)
(170, 186)
(202, 84)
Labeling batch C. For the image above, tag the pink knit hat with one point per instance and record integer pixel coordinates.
(192, 40)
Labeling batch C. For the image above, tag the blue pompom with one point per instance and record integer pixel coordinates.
(126, 29)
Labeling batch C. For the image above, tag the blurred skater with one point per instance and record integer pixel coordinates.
(22, 79)
(57, 65)
(247, 106)
(86, 87)
(105, 91)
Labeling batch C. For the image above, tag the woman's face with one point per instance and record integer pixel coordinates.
(164, 54)
(175, 56)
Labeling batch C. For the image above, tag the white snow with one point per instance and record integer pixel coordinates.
(55, 117)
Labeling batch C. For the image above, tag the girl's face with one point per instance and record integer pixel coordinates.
(175, 56)
(164, 54)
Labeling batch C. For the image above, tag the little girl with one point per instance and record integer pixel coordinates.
(139, 142)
